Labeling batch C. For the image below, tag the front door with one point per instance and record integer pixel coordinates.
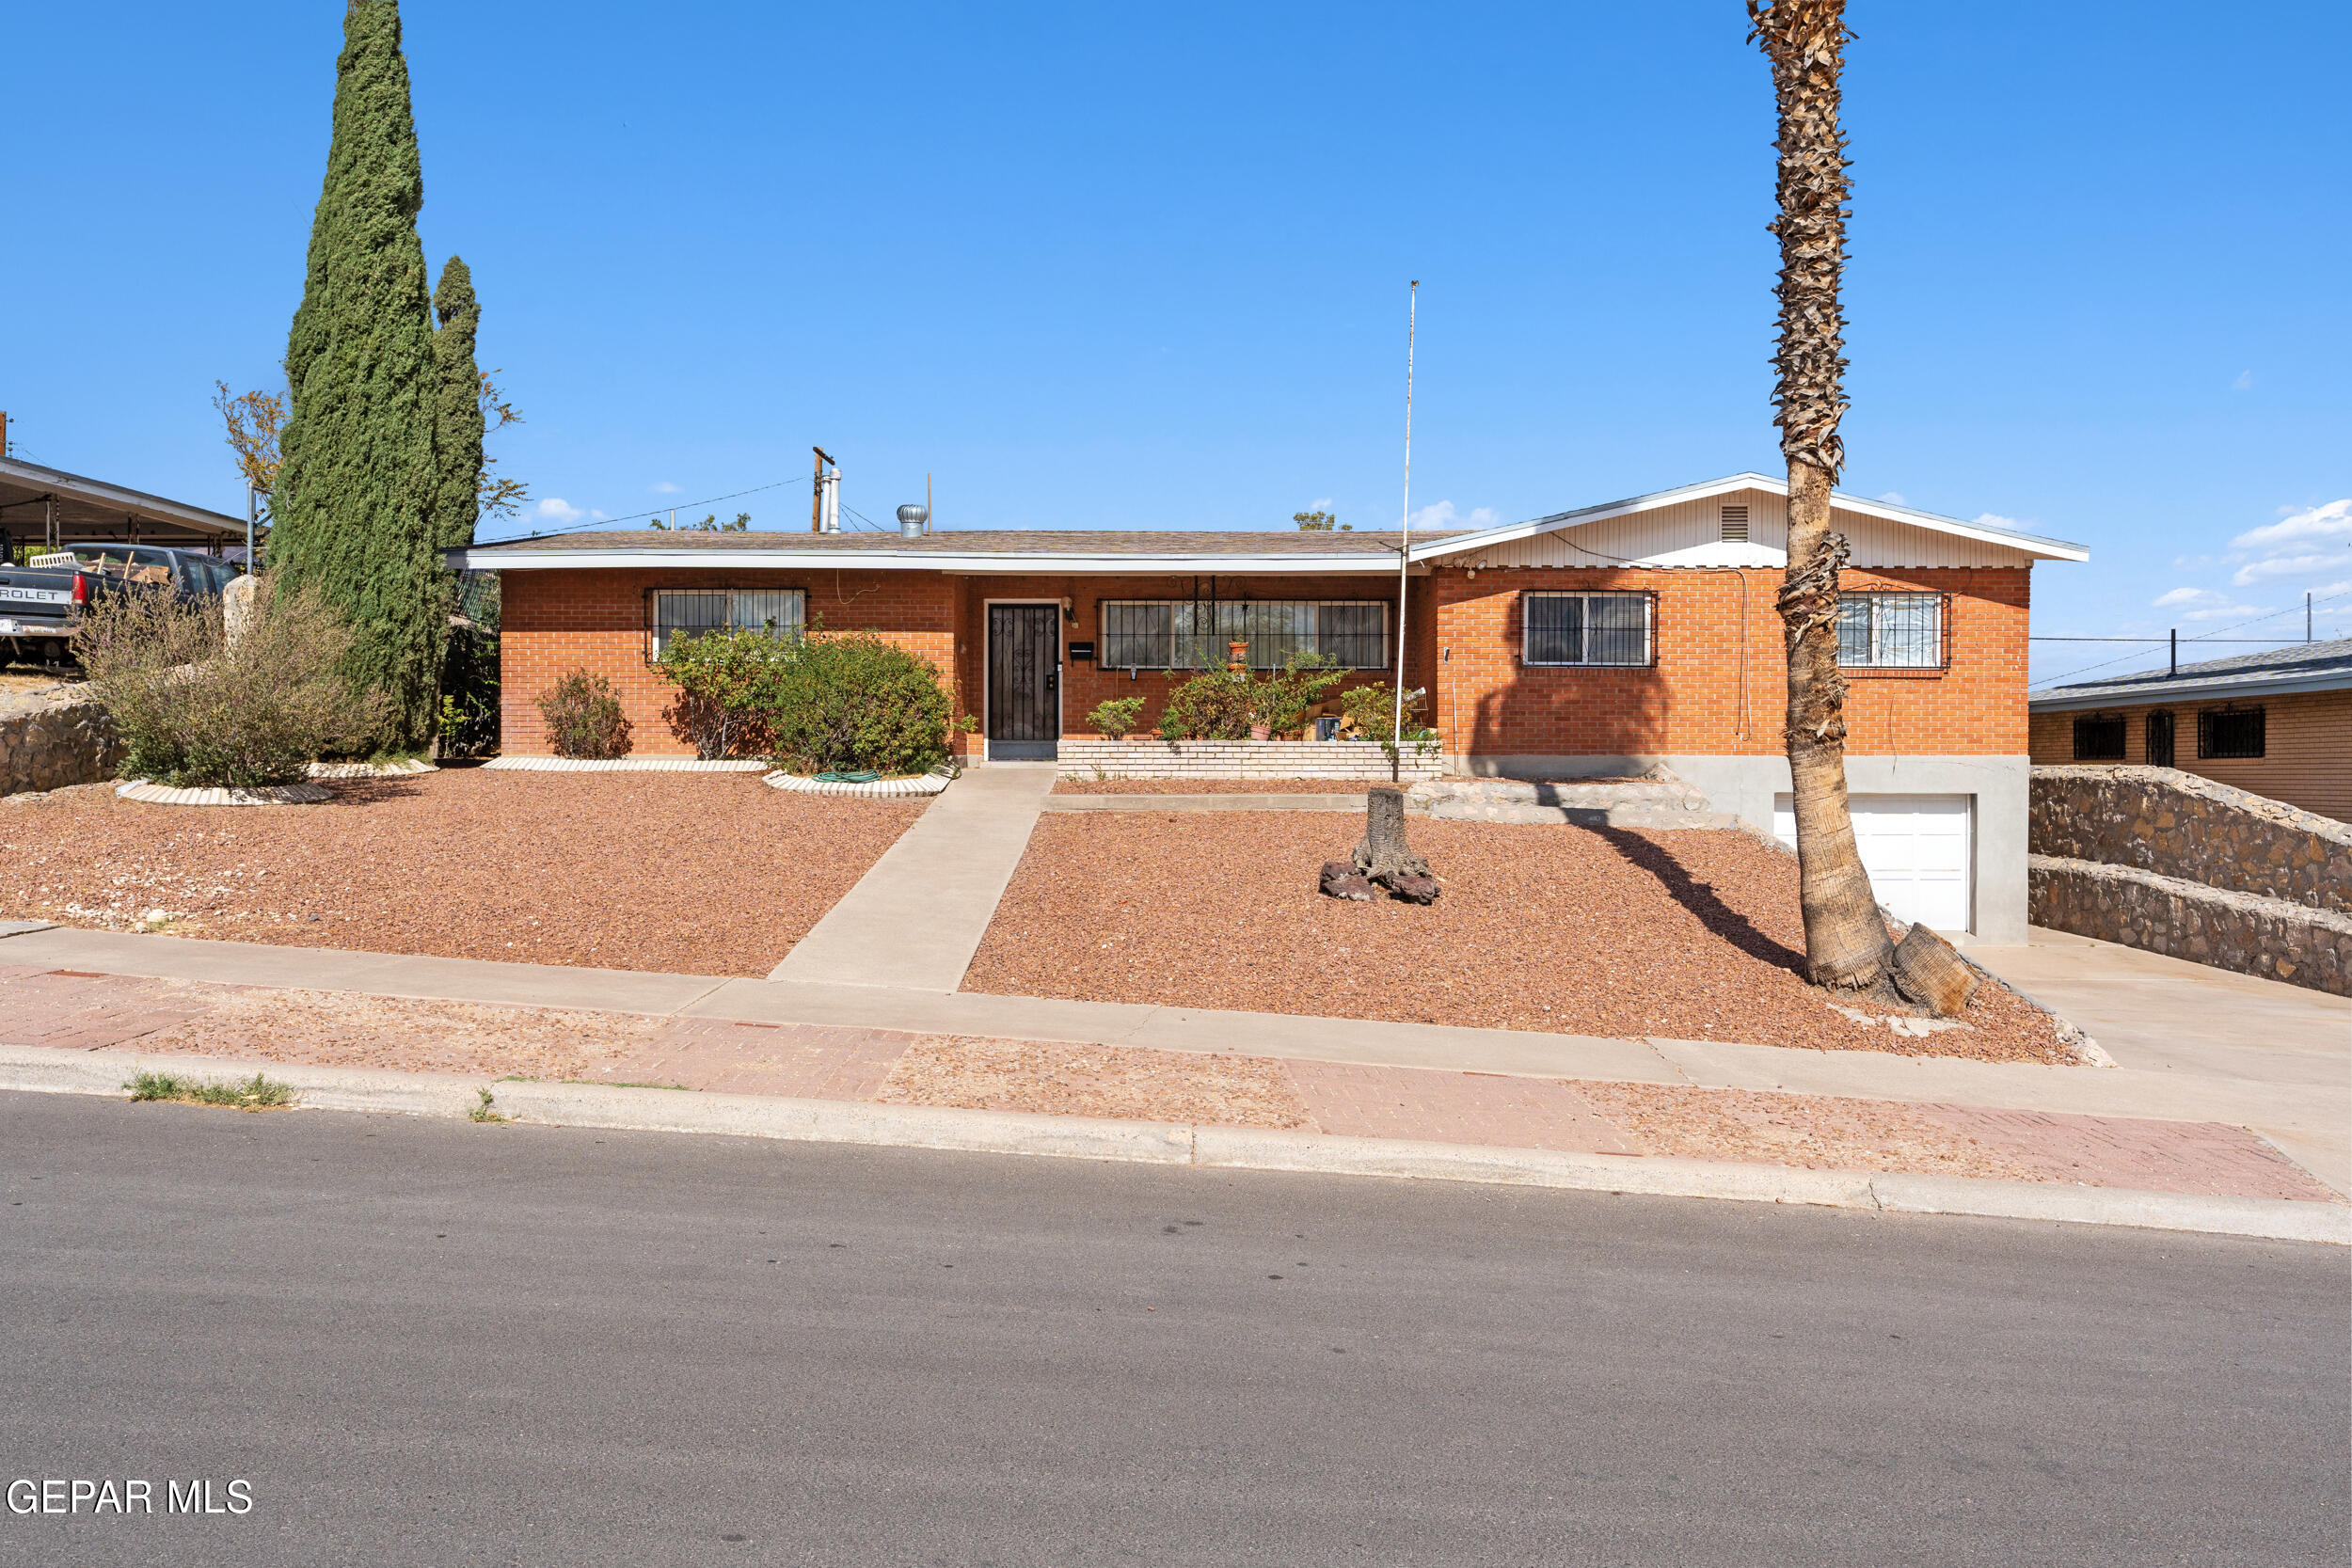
(1023, 681)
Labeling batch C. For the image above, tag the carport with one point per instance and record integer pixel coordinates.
(48, 507)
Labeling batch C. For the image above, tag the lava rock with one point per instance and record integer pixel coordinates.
(1412, 889)
(1341, 880)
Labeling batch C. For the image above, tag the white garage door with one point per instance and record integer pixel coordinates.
(1916, 847)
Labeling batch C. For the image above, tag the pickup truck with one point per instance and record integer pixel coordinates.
(42, 601)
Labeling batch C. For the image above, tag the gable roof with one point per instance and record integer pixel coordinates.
(2302, 667)
(2032, 545)
(91, 509)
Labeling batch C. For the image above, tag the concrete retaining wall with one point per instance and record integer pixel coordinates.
(2267, 937)
(1242, 759)
(56, 739)
(2179, 825)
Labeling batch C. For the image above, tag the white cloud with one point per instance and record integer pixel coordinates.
(2203, 604)
(2243, 383)
(1444, 515)
(555, 509)
(1894, 497)
(1993, 519)
(663, 488)
(1321, 504)
(2309, 543)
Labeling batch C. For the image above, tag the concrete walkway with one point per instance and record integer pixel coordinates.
(914, 919)
(2286, 1095)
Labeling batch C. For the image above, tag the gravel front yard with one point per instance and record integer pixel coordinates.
(1686, 935)
(694, 873)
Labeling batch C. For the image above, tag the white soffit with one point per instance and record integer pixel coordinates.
(1682, 527)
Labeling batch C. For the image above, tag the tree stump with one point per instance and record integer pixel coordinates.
(1931, 973)
(1384, 857)
(1340, 879)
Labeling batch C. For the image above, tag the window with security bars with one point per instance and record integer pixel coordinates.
(2230, 733)
(2097, 739)
(1182, 634)
(1587, 629)
(1890, 631)
(691, 612)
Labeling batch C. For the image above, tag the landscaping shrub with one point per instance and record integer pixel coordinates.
(193, 711)
(1116, 717)
(723, 677)
(584, 718)
(1216, 705)
(853, 703)
(1283, 701)
(467, 723)
(1374, 710)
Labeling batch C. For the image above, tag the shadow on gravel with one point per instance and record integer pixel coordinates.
(369, 792)
(1699, 898)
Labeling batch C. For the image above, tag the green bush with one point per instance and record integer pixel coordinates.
(584, 718)
(721, 679)
(1283, 701)
(467, 723)
(1116, 716)
(1373, 709)
(852, 702)
(193, 711)
(1216, 705)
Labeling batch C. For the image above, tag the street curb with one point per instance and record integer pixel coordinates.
(45, 1069)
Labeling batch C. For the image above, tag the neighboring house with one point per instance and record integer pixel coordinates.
(2276, 723)
(1596, 642)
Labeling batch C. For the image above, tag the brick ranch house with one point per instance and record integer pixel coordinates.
(1596, 642)
(2278, 724)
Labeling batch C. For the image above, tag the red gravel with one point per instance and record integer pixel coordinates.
(694, 873)
(1690, 935)
(1211, 786)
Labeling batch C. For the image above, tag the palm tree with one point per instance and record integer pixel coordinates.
(1845, 945)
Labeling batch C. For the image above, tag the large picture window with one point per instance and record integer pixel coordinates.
(1587, 629)
(1182, 634)
(690, 611)
(1890, 631)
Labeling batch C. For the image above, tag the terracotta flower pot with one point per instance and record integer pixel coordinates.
(1259, 732)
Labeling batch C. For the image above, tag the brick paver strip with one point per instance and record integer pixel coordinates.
(88, 1012)
(803, 1061)
(2124, 1151)
(1453, 1107)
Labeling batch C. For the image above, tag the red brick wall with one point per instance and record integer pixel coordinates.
(553, 622)
(1084, 685)
(1695, 700)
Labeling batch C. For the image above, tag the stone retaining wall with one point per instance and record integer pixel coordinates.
(2267, 937)
(1242, 759)
(2179, 825)
(56, 739)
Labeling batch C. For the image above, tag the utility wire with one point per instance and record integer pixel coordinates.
(2256, 621)
(634, 517)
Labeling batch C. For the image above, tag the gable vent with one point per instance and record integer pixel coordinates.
(1735, 525)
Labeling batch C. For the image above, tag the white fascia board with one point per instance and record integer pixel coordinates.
(2025, 543)
(892, 561)
(2061, 700)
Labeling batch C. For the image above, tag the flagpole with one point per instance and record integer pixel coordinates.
(1404, 549)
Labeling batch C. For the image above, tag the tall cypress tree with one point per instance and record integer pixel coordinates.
(458, 421)
(358, 482)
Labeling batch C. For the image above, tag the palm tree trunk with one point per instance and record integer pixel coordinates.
(1846, 944)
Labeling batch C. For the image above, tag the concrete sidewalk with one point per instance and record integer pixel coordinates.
(2294, 1106)
(914, 919)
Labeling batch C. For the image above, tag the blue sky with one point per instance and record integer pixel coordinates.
(1098, 266)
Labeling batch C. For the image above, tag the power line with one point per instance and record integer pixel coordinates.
(634, 517)
(2256, 621)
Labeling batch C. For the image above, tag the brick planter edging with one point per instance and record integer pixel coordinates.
(1244, 759)
(876, 789)
(264, 795)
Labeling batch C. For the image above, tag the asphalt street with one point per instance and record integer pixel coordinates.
(426, 1342)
